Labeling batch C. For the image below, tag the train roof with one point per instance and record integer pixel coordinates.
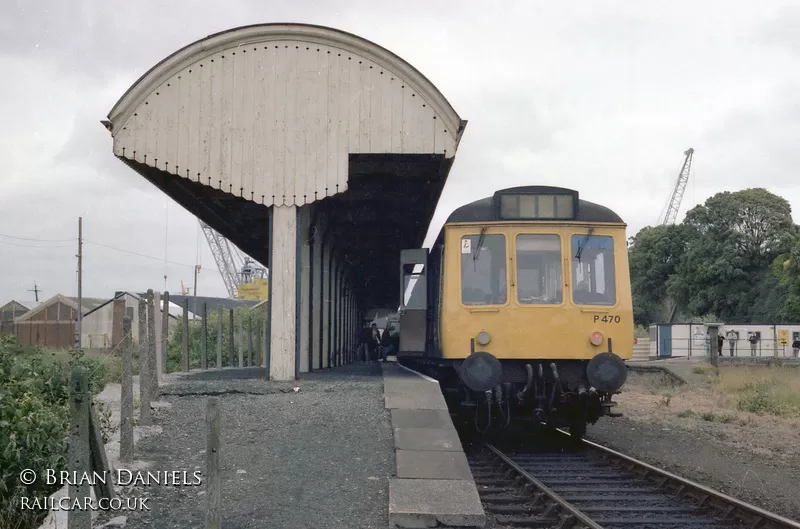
(486, 209)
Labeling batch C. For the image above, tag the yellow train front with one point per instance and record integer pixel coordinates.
(522, 309)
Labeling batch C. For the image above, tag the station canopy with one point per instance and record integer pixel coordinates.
(296, 115)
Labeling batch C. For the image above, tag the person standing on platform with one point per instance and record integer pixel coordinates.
(366, 342)
(386, 344)
(753, 339)
(720, 343)
(732, 338)
(375, 342)
(796, 347)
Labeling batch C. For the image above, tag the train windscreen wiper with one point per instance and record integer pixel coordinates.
(480, 242)
(582, 244)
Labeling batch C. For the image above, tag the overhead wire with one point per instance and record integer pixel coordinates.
(95, 243)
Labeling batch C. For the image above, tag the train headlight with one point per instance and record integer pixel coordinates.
(596, 338)
(606, 372)
(483, 338)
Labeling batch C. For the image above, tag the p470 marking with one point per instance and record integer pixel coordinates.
(607, 318)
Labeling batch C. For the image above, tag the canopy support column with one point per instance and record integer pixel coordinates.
(283, 292)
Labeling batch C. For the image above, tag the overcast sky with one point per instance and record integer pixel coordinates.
(598, 96)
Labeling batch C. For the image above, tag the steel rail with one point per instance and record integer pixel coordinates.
(565, 505)
(728, 505)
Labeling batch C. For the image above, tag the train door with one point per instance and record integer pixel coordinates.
(665, 340)
(413, 301)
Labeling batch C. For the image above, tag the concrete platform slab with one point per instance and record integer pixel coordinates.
(402, 386)
(432, 465)
(420, 401)
(427, 439)
(421, 419)
(416, 503)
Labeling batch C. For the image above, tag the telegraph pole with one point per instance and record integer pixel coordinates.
(80, 284)
(35, 290)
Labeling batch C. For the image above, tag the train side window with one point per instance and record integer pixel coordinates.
(483, 270)
(539, 275)
(593, 270)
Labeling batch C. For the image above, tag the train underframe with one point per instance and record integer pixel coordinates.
(538, 393)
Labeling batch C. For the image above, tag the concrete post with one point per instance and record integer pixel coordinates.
(152, 340)
(185, 344)
(204, 338)
(230, 338)
(126, 398)
(250, 350)
(157, 336)
(259, 342)
(213, 484)
(219, 337)
(165, 333)
(283, 332)
(240, 332)
(142, 319)
(79, 455)
(144, 367)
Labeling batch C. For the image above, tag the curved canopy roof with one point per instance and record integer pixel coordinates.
(295, 114)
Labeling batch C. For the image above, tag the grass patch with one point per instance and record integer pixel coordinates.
(761, 390)
(703, 370)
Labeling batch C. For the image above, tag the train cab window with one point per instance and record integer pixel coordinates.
(539, 279)
(483, 269)
(593, 270)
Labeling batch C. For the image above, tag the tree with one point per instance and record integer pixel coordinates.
(654, 256)
(738, 236)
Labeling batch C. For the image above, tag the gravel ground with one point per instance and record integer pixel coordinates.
(762, 480)
(319, 457)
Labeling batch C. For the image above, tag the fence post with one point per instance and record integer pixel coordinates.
(212, 464)
(241, 340)
(157, 321)
(126, 398)
(79, 456)
(219, 337)
(152, 359)
(230, 339)
(144, 367)
(258, 342)
(165, 333)
(185, 345)
(204, 338)
(250, 351)
(775, 340)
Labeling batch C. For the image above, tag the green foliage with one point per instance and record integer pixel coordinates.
(732, 259)
(34, 421)
(655, 254)
(250, 319)
(761, 396)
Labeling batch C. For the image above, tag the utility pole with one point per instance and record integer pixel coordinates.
(35, 291)
(194, 305)
(80, 284)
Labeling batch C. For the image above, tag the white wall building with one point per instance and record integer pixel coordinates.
(692, 339)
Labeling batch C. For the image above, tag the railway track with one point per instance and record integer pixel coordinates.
(593, 487)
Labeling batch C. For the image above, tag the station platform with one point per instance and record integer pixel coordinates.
(357, 446)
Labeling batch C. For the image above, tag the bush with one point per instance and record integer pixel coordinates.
(34, 421)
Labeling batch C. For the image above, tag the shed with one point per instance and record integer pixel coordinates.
(102, 326)
(52, 324)
(8, 313)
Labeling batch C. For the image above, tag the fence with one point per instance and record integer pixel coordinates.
(220, 338)
(688, 340)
